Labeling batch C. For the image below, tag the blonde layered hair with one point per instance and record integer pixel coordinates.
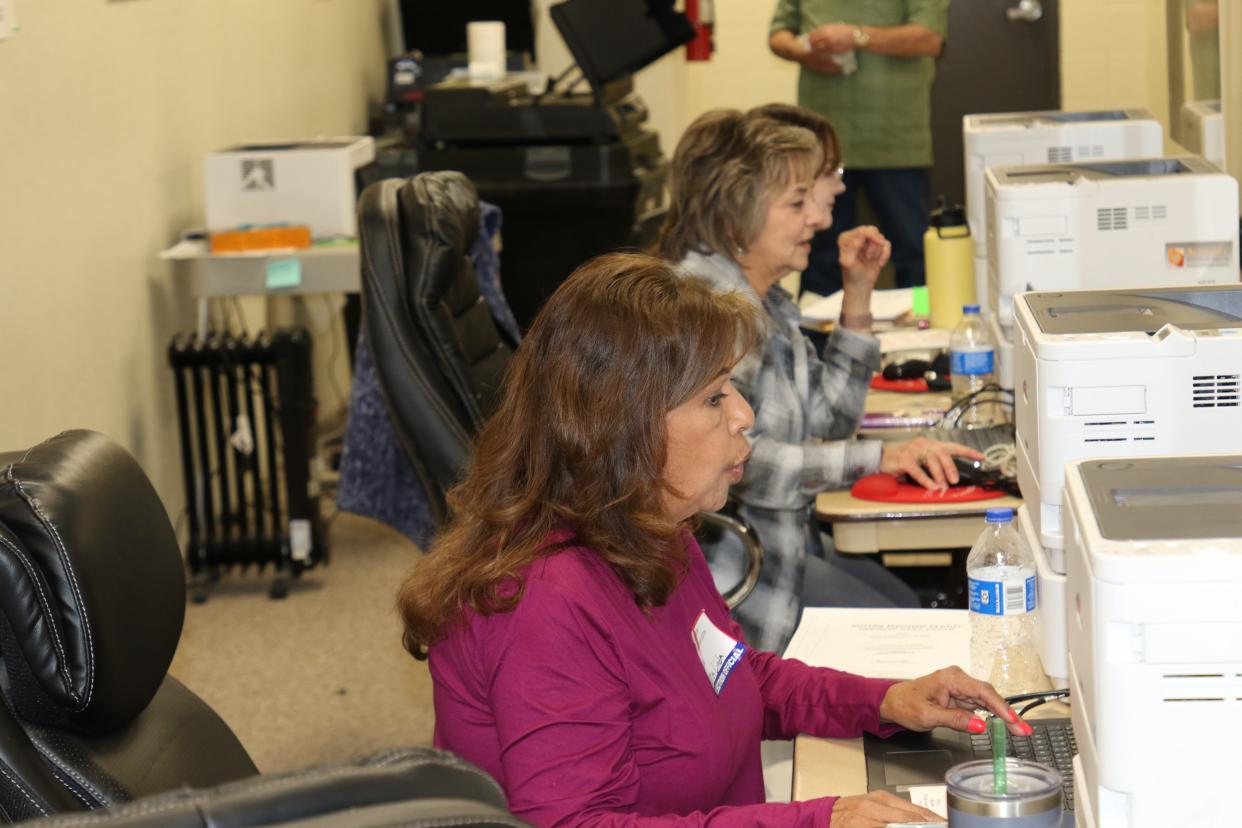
(725, 171)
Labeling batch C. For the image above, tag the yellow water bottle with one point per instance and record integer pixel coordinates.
(949, 254)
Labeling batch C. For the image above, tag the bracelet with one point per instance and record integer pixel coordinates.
(861, 321)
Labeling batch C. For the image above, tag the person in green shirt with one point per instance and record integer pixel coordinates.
(868, 66)
(1203, 25)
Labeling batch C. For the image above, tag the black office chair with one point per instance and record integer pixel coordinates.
(405, 788)
(92, 600)
(438, 356)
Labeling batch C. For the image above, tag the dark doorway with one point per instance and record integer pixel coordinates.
(997, 59)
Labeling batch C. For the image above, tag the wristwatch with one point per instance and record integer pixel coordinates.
(861, 37)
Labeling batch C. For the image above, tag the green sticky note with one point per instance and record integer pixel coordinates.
(283, 273)
(921, 306)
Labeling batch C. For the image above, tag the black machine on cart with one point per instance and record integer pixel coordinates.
(576, 174)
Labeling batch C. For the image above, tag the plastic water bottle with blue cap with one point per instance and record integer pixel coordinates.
(1000, 576)
(972, 367)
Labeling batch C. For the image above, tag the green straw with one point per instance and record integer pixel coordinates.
(996, 727)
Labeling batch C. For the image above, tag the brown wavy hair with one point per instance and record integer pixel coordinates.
(725, 170)
(578, 442)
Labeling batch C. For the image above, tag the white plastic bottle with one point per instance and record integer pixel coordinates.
(1003, 605)
(972, 365)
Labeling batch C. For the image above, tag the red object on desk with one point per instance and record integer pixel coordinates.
(888, 489)
(914, 385)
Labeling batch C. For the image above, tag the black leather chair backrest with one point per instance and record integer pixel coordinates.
(411, 787)
(92, 600)
(438, 355)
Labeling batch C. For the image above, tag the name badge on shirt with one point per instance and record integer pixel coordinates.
(718, 652)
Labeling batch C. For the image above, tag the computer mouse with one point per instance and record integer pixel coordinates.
(875, 485)
(965, 464)
(910, 369)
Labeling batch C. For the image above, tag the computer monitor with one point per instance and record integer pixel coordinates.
(612, 39)
(438, 29)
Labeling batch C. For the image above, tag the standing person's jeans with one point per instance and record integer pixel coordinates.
(901, 200)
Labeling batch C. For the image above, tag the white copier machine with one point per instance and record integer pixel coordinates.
(1203, 130)
(1011, 139)
(1134, 223)
(1155, 639)
(1115, 373)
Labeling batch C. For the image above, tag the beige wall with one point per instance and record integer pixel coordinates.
(106, 110)
(1231, 86)
(742, 73)
(1114, 54)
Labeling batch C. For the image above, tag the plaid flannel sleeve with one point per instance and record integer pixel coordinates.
(839, 381)
(785, 470)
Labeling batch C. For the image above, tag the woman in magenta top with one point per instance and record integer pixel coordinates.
(580, 652)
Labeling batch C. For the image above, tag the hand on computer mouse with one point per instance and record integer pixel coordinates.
(976, 473)
(910, 369)
(927, 462)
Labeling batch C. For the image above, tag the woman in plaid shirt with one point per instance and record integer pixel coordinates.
(748, 192)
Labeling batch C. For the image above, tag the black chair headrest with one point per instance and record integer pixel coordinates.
(92, 590)
(445, 207)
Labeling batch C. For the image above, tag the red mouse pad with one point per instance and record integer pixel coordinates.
(888, 489)
(913, 385)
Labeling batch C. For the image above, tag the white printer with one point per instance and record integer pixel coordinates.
(1121, 373)
(1012, 139)
(1132, 223)
(1099, 373)
(1203, 130)
(299, 182)
(1155, 639)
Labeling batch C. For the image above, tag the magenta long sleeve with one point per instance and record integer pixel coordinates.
(589, 711)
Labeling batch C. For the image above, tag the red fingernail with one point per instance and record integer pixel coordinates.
(976, 725)
(1027, 730)
(1013, 715)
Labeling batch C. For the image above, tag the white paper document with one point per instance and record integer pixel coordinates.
(886, 305)
(913, 339)
(931, 797)
(883, 643)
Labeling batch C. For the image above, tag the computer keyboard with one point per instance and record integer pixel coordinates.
(1052, 743)
(979, 439)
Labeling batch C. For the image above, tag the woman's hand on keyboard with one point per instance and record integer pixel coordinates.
(927, 462)
(877, 809)
(947, 698)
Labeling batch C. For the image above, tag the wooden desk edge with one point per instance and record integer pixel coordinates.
(970, 509)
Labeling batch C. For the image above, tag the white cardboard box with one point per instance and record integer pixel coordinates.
(297, 182)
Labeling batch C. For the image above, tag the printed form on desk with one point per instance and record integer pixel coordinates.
(886, 305)
(886, 643)
(882, 643)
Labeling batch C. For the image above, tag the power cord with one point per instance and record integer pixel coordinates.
(990, 394)
(1003, 457)
(1036, 699)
